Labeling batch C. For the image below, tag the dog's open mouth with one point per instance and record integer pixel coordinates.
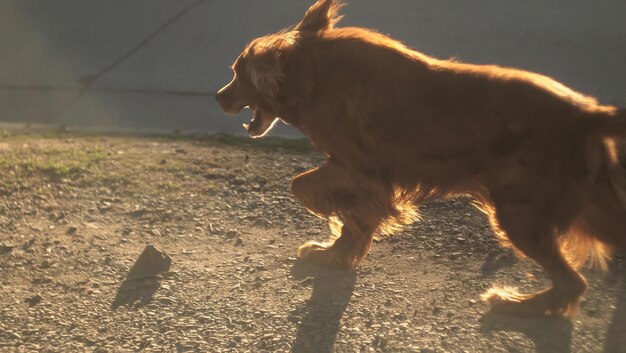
(260, 123)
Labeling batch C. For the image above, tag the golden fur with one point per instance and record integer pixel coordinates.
(401, 128)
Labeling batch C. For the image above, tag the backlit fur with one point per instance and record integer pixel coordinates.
(400, 128)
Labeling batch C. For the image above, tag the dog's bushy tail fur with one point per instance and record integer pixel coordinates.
(592, 237)
(600, 227)
(598, 230)
(580, 245)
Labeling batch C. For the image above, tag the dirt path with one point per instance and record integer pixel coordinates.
(76, 211)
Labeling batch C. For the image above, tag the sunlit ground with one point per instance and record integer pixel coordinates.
(76, 211)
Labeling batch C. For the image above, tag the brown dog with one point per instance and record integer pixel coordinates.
(400, 128)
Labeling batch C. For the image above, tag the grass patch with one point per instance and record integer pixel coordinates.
(296, 146)
(112, 181)
(52, 162)
(211, 187)
(169, 186)
(278, 144)
(172, 165)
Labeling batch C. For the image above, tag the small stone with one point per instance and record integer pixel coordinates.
(139, 212)
(13, 335)
(41, 280)
(150, 262)
(238, 181)
(454, 256)
(104, 206)
(166, 300)
(34, 300)
(6, 248)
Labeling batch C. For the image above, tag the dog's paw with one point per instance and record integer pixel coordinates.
(308, 248)
(324, 254)
(506, 300)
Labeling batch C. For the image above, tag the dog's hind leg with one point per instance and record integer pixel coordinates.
(529, 230)
(360, 203)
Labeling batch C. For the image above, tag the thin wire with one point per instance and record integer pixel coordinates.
(48, 88)
(88, 82)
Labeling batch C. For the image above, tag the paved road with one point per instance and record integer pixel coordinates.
(155, 64)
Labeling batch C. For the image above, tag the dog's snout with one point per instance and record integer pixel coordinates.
(219, 94)
(230, 102)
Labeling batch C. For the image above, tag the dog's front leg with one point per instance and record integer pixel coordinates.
(347, 251)
(358, 202)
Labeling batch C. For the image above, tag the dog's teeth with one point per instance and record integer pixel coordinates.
(254, 115)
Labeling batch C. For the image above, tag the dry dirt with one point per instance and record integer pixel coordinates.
(77, 210)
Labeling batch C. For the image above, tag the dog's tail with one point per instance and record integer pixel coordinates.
(600, 227)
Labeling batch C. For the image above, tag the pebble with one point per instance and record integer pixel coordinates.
(166, 300)
(12, 335)
(6, 248)
(33, 300)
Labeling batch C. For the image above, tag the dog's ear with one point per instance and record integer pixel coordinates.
(322, 15)
(267, 58)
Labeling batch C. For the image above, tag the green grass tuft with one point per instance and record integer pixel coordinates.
(297, 146)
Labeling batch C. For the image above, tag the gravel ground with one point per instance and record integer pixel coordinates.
(76, 211)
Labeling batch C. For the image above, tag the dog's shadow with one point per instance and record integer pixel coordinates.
(616, 338)
(319, 319)
(555, 334)
(550, 335)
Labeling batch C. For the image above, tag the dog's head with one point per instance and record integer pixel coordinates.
(259, 80)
